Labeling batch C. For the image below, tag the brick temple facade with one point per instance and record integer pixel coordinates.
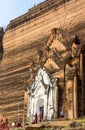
(51, 36)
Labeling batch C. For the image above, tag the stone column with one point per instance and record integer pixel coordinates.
(32, 107)
(51, 96)
(29, 107)
(82, 79)
(81, 65)
(55, 100)
(51, 102)
(45, 105)
(75, 97)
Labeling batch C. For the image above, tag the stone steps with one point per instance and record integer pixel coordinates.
(59, 123)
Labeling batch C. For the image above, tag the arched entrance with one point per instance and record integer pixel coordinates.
(40, 109)
(43, 98)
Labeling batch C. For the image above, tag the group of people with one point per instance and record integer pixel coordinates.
(4, 123)
(38, 118)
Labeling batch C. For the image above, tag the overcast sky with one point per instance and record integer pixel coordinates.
(10, 9)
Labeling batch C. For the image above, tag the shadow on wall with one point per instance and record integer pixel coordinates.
(1, 42)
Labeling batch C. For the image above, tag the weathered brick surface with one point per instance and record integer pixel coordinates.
(21, 44)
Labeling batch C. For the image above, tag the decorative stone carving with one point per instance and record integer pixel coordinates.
(43, 89)
(52, 51)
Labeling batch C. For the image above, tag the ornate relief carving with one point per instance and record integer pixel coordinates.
(52, 51)
(58, 37)
(64, 39)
